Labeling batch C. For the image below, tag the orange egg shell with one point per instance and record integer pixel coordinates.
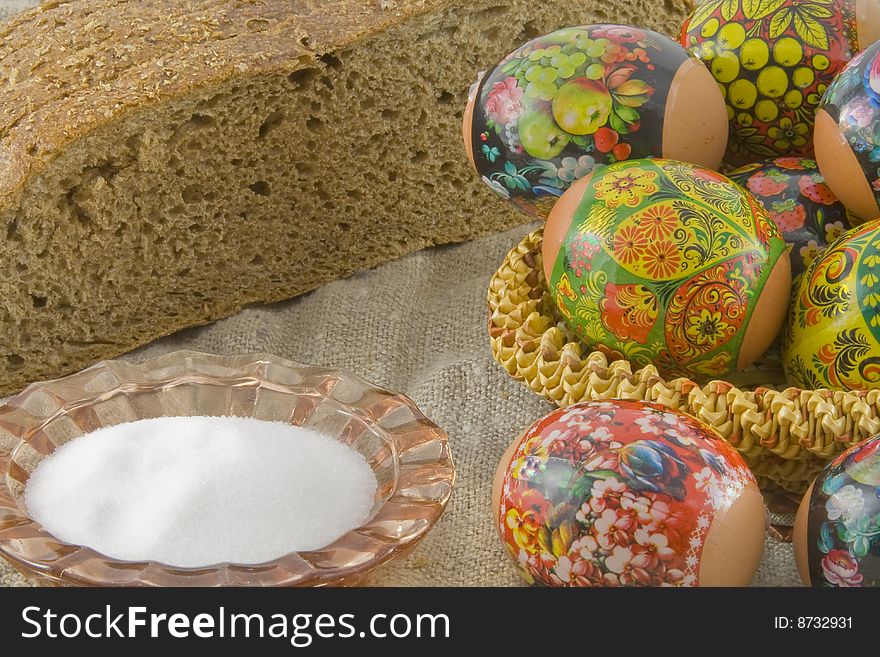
(799, 537)
(733, 544)
(867, 21)
(842, 170)
(467, 122)
(845, 138)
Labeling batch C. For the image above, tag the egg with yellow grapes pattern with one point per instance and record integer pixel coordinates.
(773, 60)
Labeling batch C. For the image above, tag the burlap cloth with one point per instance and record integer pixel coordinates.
(417, 326)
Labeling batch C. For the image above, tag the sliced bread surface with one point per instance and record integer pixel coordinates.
(163, 164)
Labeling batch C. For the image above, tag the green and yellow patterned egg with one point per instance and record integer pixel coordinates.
(663, 262)
(833, 334)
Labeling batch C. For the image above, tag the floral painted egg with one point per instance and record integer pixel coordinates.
(627, 493)
(837, 530)
(805, 210)
(773, 60)
(562, 103)
(832, 339)
(662, 262)
(848, 135)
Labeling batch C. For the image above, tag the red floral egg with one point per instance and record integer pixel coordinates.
(774, 59)
(627, 493)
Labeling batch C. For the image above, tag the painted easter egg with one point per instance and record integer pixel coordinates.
(832, 339)
(848, 135)
(805, 210)
(773, 60)
(663, 262)
(562, 103)
(837, 529)
(627, 493)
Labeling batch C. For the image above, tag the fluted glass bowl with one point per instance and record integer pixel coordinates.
(408, 453)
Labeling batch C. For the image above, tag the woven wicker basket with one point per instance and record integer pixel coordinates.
(785, 434)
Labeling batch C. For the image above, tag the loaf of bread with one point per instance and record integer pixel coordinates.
(163, 163)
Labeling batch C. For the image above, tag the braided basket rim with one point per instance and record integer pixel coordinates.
(786, 436)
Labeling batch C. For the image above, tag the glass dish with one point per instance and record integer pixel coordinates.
(408, 453)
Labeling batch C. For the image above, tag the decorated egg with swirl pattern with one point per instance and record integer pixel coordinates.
(580, 97)
(668, 263)
(799, 202)
(832, 339)
(627, 493)
(773, 60)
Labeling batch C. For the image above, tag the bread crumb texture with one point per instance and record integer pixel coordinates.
(163, 163)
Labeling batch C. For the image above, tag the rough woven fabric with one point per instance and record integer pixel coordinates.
(9, 7)
(417, 326)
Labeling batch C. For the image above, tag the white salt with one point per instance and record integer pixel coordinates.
(195, 491)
